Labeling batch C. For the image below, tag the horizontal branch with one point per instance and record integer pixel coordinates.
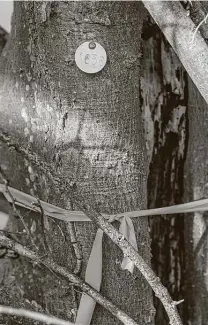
(190, 47)
(128, 250)
(33, 315)
(63, 272)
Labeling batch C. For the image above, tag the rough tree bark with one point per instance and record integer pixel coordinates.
(196, 225)
(168, 175)
(195, 188)
(164, 101)
(88, 129)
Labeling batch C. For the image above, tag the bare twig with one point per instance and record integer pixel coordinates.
(203, 239)
(12, 232)
(201, 242)
(128, 250)
(15, 209)
(28, 154)
(42, 216)
(63, 272)
(33, 315)
(176, 303)
(58, 226)
(77, 251)
(199, 25)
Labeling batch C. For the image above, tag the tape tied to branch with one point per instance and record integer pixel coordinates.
(93, 275)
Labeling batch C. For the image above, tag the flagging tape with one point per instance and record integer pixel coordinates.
(93, 275)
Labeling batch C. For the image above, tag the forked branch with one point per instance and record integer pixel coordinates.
(64, 273)
(160, 291)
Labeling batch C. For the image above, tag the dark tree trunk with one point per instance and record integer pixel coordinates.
(164, 105)
(196, 225)
(196, 188)
(176, 123)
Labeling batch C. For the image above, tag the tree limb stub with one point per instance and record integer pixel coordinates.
(63, 272)
(178, 29)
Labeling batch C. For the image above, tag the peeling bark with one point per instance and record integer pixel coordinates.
(164, 104)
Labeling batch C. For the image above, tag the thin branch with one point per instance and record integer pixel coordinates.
(63, 272)
(28, 154)
(42, 217)
(160, 291)
(77, 251)
(57, 225)
(203, 239)
(33, 315)
(15, 209)
(199, 25)
(12, 232)
(178, 302)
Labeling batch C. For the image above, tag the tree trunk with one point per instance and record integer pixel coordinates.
(164, 104)
(196, 225)
(196, 188)
(80, 128)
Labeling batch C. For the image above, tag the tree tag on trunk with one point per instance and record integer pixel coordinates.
(90, 57)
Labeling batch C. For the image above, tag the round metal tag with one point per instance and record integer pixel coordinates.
(90, 57)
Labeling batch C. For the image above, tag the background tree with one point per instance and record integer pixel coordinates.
(196, 188)
(184, 39)
(164, 102)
